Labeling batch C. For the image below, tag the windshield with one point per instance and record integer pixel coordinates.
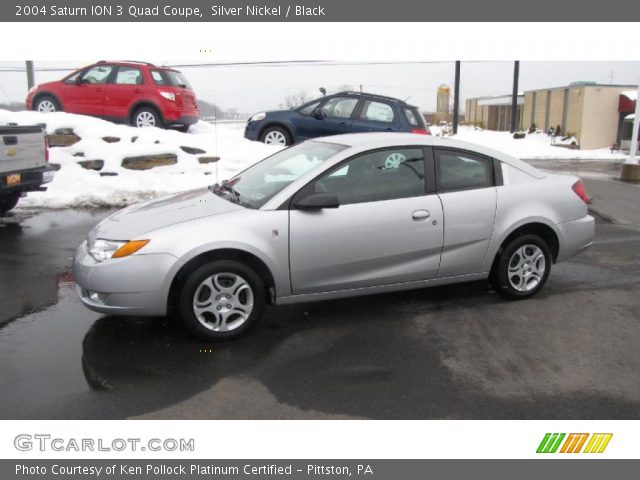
(258, 184)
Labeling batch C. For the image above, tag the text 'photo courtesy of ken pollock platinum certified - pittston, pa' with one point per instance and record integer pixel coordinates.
(160, 11)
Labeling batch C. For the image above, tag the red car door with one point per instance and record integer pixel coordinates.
(127, 87)
(87, 95)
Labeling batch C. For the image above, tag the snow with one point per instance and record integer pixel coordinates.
(631, 94)
(74, 186)
(535, 146)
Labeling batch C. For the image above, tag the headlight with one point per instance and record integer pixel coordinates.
(102, 249)
(169, 96)
(257, 117)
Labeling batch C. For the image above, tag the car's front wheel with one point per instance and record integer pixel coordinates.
(276, 136)
(46, 104)
(523, 267)
(221, 299)
(147, 117)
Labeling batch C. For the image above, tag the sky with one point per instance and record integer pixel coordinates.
(250, 89)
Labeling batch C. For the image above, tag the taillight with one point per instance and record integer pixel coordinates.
(46, 148)
(579, 190)
(420, 131)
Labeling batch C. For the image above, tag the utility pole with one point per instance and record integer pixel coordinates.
(456, 98)
(31, 82)
(514, 97)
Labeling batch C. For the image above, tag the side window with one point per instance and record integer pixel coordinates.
(129, 76)
(308, 110)
(377, 112)
(340, 107)
(158, 79)
(71, 79)
(375, 176)
(97, 75)
(459, 170)
(412, 117)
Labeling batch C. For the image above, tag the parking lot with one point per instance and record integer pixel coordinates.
(451, 352)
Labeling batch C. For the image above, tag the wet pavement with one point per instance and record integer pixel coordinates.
(449, 352)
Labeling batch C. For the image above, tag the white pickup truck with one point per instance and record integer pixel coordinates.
(24, 163)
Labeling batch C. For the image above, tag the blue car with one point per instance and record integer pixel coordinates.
(344, 112)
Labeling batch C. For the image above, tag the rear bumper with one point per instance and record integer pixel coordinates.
(134, 285)
(31, 179)
(182, 121)
(575, 236)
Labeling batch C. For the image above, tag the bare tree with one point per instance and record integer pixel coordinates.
(296, 99)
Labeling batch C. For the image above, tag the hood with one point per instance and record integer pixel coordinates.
(145, 217)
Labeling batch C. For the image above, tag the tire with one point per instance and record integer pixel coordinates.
(210, 286)
(8, 202)
(276, 136)
(146, 117)
(46, 104)
(522, 268)
(183, 129)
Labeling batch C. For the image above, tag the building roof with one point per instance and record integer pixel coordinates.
(580, 85)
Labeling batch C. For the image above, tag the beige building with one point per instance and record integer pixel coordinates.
(493, 113)
(586, 110)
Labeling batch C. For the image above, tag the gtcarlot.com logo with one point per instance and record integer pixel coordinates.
(574, 443)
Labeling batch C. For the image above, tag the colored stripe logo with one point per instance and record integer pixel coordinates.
(574, 443)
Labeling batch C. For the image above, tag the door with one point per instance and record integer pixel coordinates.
(466, 186)
(335, 118)
(375, 116)
(127, 87)
(88, 94)
(387, 229)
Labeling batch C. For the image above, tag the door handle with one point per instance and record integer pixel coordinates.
(419, 215)
(137, 90)
(344, 124)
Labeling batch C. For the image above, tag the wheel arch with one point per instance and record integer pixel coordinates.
(238, 255)
(276, 123)
(543, 230)
(144, 103)
(39, 95)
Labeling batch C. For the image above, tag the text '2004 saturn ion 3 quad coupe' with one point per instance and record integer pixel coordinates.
(335, 217)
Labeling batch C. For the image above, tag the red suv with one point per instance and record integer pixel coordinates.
(132, 92)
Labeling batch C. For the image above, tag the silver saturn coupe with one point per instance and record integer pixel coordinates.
(335, 217)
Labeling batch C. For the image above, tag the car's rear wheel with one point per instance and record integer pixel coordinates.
(146, 117)
(276, 136)
(8, 202)
(221, 299)
(523, 267)
(46, 104)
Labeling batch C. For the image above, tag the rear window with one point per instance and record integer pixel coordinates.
(170, 78)
(413, 117)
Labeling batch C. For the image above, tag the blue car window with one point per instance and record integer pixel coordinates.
(377, 112)
(340, 107)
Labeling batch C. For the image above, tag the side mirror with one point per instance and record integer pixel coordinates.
(319, 113)
(317, 201)
(79, 80)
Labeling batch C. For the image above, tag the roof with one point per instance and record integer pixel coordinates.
(366, 94)
(580, 85)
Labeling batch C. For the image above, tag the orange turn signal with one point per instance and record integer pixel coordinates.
(129, 248)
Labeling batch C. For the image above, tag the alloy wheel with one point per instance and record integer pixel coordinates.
(223, 302)
(46, 106)
(275, 137)
(145, 119)
(527, 267)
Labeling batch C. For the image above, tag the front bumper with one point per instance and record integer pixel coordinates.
(133, 285)
(252, 130)
(575, 236)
